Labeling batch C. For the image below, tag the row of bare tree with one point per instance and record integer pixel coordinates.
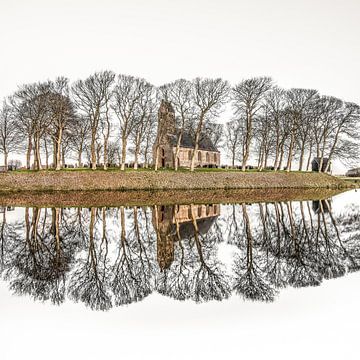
(278, 126)
(106, 116)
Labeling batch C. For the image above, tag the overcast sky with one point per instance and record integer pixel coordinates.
(303, 43)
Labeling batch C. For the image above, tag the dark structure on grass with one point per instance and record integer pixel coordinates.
(315, 165)
(353, 172)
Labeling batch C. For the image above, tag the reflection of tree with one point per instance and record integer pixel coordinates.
(209, 281)
(173, 280)
(289, 247)
(249, 279)
(103, 256)
(89, 281)
(132, 270)
(38, 263)
(187, 238)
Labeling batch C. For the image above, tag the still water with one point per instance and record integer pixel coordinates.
(109, 257)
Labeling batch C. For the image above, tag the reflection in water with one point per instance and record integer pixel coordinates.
(106, 257)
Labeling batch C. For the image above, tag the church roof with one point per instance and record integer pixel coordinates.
(188, 141)
(187, 229)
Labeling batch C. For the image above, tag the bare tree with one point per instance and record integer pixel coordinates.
(106, 127)
(31, 104)
(62, 113)
(79, 135)
(144, 115)
(127, 94)
(112, 152)
(264, 137)
(339, 132)
(10, 138)
(247, 99)
(233, 139)
(209, 95)
(298, 104)
(150, 138)
(91, 97)
(276, 102)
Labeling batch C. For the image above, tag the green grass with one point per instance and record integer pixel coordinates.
(181, 170)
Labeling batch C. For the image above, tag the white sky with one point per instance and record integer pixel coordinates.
(302, 43)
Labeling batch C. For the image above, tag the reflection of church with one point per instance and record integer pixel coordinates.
(174, 223)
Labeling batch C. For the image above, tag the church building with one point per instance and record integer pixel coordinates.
(207, 155)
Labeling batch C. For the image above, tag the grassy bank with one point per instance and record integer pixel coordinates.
(353, 180)
(160, 197)
(85, 180)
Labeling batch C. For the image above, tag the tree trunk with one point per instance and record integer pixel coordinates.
(93, 151)
(277, 148)
(79, 157)
(266, 158)
(58, 150)
(281, 157)
(157, 148)
(28, 153)
(136, 158)
(192, 167)
(197, 138)
(46, 155)
(302, 151)
(177, 151)
(309, 159)
(290, 155)
(54, 153)
(37, 153)
(137, 150)
(6, 160)
(63, 157)
(322, 155)
(123, 152)
(105, 157)
(247, 142)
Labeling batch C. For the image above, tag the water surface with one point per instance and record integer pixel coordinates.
(105, 257)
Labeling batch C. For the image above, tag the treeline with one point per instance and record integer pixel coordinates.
(278, 126)
(106, 117)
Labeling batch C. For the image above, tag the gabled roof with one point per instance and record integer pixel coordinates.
(188, 141)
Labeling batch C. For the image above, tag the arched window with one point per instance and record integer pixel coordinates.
(208, 210)
(199, 156)
(189, 212)
(199, 211)
(162, 213)
(215, 157)
(189, 155)
(207, 157)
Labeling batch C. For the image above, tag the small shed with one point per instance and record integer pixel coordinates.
(353, 172)
(315, 165)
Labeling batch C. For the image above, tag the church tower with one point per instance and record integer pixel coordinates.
(166, 119)
(166, 135)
